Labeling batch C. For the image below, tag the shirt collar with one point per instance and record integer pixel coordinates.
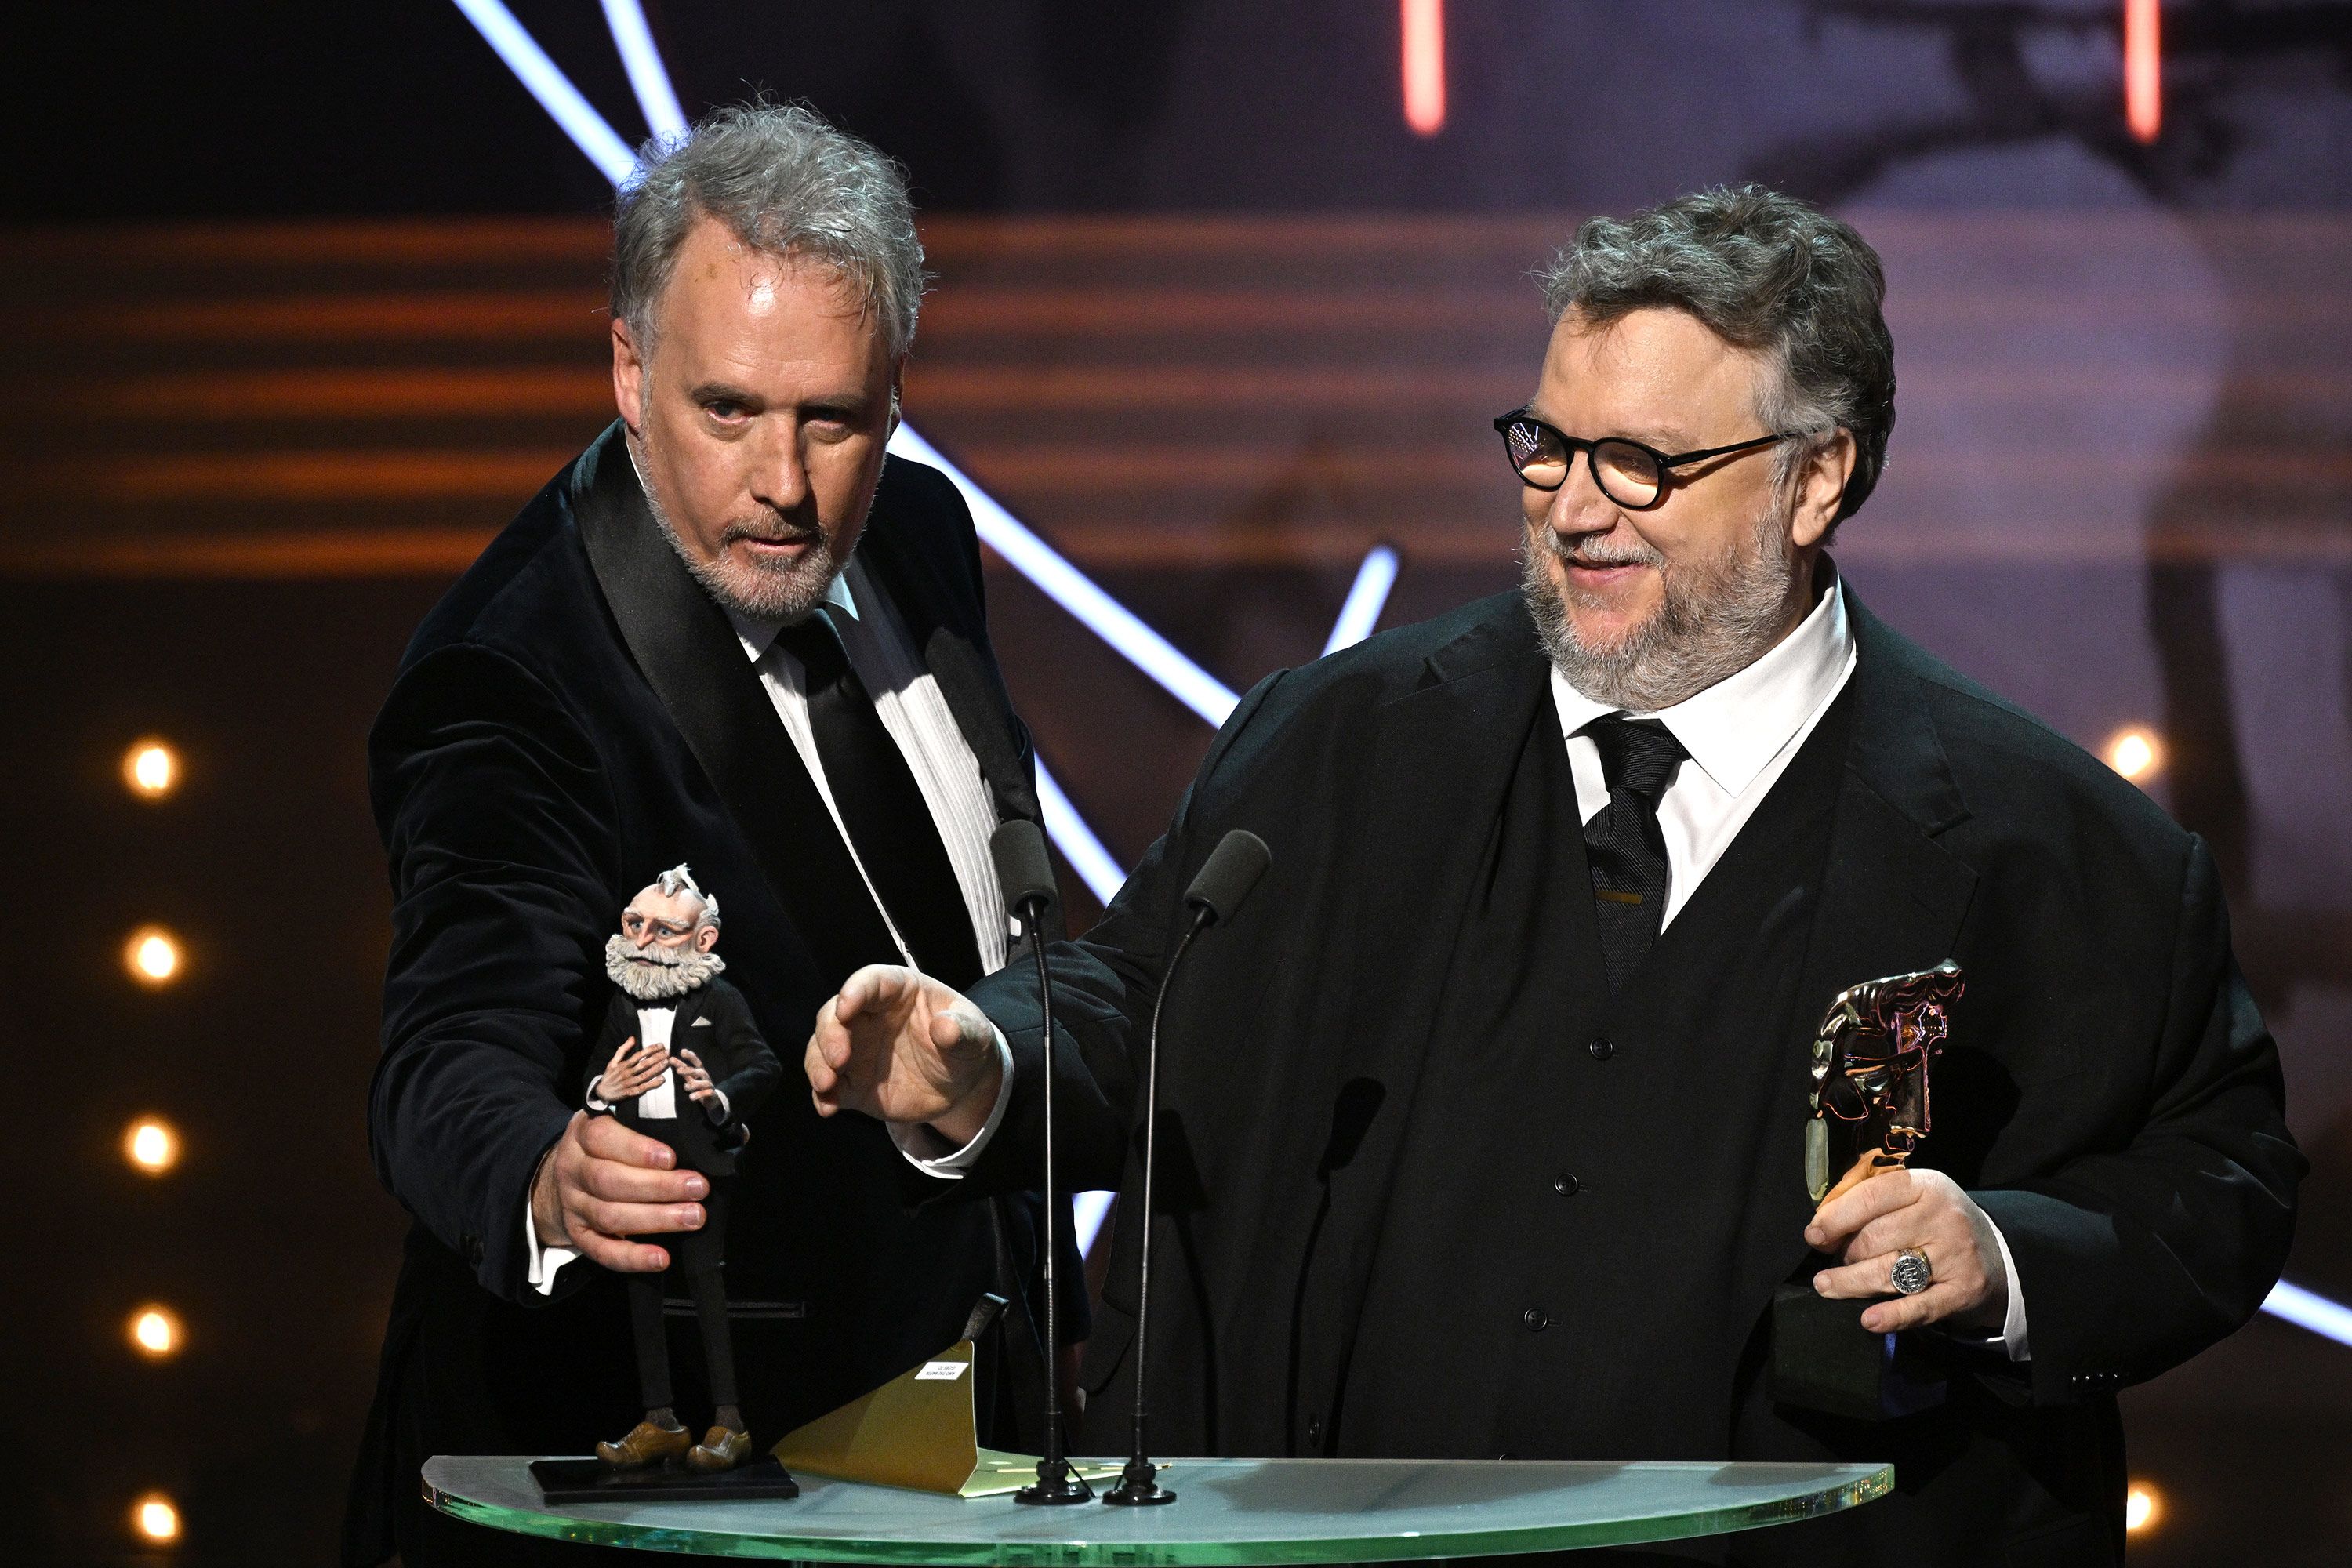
(1740, 723)
(755, 632)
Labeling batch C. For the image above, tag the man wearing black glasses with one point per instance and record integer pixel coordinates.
(1491, 1106)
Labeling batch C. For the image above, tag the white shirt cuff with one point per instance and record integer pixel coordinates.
(921, 1145)
(544, 1260)
(2011, 1338)
(2013, 1325)
(594, 1103)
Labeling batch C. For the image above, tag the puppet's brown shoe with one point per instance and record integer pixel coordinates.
(647, 1444)
(721, 1448)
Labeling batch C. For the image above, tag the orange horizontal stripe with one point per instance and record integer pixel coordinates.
(1113, 546)
(383, 553)
(512, 476)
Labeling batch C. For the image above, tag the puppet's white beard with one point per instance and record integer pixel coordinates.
(657, 973)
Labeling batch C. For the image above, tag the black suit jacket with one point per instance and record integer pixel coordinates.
(2111, 1097)
(715, 1022)
(574, 715)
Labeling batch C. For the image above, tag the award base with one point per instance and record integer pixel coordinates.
(563, 1482)
(1824, 1360)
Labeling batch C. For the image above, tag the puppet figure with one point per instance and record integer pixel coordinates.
(681, 1060)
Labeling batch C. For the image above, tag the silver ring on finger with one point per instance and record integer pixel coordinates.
(1912, 1271)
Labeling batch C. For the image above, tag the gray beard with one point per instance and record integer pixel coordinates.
(671, 971)
(1715, 620)
(782, 592)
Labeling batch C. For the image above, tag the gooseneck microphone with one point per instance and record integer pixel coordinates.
(1027, 877)
(1233, 868)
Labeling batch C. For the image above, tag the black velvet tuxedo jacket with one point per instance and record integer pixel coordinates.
(715, 1022)
(2110, 1096)
(573, 716)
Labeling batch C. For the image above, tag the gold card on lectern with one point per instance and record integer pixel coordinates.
(918, 1430)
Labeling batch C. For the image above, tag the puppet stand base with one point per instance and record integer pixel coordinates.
(566, 1482)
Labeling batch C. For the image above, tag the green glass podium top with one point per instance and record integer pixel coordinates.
(1225, 1511)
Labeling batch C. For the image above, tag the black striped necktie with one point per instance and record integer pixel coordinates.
(1622, 843)
(882, 808)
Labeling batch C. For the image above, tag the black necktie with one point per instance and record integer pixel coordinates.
(883, 810)
(1622, 843)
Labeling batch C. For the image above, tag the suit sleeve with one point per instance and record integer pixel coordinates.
(496, 824)
(753, 1070)
(1103, 989)
(2136, 1258)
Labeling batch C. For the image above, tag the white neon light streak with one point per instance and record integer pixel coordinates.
(1367, 598)
(648, 77)
(2308, 1309)
(1095, 865)
(1088, 1210)
(1075, 592)
(546, 82)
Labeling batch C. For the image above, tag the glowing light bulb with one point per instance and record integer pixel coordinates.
(151, 955)
(151, 1145)
(155, 1517)
(2143, 1506)
(155, 1332)
(152, 770)
(2137, 753)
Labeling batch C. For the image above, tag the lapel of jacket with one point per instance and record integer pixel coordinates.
(689, 655)
(1892, 897)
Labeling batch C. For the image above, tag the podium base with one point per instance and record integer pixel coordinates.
(1824, 1360)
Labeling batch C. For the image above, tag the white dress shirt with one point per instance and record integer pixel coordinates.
(1741, 735)
(908, 699)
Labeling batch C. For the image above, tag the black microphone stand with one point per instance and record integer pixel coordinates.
(1056, 1483)
(1138, 1484)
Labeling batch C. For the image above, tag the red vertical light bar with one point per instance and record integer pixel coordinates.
(2142, 69)
(1424, 65)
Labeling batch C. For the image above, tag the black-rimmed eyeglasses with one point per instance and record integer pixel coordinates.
(1636, 477)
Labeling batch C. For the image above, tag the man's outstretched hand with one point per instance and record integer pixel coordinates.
(901, 1047)
(603, 1183)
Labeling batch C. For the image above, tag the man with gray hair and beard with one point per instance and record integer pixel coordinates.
(1561, 883)
(736, 632)
(684, 1064)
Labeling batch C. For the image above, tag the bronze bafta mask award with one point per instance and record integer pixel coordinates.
(1871, 1110)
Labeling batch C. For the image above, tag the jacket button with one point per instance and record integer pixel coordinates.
(1315, 1431)
(1564, 1185)
(473, 1245)
(1601, 1048)
(1536, 1319)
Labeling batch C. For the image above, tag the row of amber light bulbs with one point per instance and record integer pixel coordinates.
(152, 955)
(152, 772)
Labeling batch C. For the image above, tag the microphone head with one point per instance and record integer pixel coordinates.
(1232, 869)
(1023, 869)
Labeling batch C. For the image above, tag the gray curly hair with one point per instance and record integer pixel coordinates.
(679, 879)
(1770, 275)
(783, 181)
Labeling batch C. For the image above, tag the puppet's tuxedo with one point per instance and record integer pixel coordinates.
(711, 1021)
